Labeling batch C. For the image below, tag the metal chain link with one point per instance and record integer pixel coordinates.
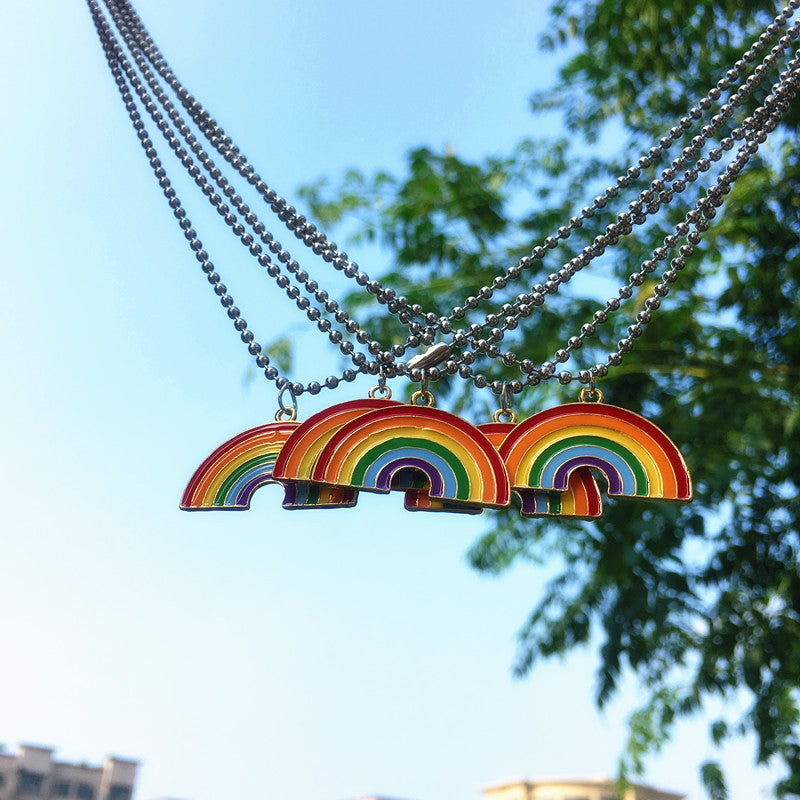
(116, 60)
(754, 132)
(661, 192)
(302, 229)
(314, 314)
(328, 249)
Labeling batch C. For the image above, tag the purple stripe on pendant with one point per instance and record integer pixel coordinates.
(562, 473)
(384, 478)
(246, 492)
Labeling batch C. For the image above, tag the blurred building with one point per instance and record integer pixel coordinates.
(32, 773)
(573, 789)
(566, 789)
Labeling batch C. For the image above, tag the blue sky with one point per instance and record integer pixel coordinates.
(308, 656)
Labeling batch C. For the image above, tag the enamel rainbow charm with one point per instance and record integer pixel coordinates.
(441, 462)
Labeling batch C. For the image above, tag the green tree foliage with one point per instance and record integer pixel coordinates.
(699, 601)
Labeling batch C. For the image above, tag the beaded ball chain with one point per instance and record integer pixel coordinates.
(148, 86)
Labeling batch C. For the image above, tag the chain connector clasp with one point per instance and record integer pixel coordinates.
(423, 397)
(505, 409)
(286, 412)
(381, 389)
(590, 393)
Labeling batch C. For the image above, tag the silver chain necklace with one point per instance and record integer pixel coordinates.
(144, 80)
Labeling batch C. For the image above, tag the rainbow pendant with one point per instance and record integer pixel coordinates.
(443, 463)
(228, 478)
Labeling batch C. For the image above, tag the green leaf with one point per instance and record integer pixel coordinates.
(713, 780)
(280, 351)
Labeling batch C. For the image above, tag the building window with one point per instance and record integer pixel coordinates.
(119, 791)
(61, 789)
(85, 792)
(30, 782)
(2, 780)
